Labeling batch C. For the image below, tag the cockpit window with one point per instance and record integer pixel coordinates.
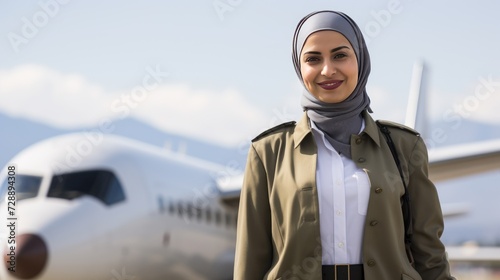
(101, 184)
(26, 186)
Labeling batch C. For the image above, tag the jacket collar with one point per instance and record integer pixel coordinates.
(303, 128)
(371, 128)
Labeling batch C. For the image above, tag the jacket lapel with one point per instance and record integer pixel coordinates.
(305, 158)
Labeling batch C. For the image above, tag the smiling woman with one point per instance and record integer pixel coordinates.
(322, 198)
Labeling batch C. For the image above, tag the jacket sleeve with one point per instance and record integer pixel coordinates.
(253, 238)
(428, 250)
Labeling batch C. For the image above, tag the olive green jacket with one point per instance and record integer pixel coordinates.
(278, 233)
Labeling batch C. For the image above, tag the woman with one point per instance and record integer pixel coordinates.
(321, 198)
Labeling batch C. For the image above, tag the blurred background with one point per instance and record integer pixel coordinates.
(204, 77)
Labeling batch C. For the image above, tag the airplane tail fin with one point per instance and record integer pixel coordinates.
(416, 111)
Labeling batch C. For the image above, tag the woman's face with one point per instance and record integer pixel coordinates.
(329, 66)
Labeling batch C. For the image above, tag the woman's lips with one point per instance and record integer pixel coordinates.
(330, 85)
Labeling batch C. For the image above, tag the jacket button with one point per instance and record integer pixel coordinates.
(358, 141)
(371, 262)
(378, 190)
(373, 223)
(361, 159)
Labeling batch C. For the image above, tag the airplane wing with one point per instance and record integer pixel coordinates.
(463, 160)
(472, 253)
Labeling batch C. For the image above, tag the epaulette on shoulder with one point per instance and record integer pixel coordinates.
(399, 126)
(273, 129)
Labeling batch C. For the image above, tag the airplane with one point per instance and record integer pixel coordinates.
(102, 206)
(108, 207)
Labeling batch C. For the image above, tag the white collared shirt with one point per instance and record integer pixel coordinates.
(343, 192)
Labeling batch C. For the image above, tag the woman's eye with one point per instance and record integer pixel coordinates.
(339, 55)
(312, 59)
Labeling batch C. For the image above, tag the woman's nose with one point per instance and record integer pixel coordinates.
(328, 69)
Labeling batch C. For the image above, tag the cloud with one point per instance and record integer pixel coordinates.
(224, 117)
(41, 94)
(69, 101)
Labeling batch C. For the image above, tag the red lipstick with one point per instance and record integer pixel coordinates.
(330, 85)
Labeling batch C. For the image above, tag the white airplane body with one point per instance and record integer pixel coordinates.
(159, 216)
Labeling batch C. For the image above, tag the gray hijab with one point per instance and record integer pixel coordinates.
(337, 120)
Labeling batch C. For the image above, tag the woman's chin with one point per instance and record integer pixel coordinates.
(332, 98)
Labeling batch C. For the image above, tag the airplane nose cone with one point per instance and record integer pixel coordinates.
(30, 256)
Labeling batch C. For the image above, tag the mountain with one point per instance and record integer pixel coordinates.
(18, 133)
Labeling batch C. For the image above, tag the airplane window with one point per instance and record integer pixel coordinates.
(208, 215)
(101, 184)
(171, 207)
(26, 186)
(199, 213)
(190, 210)
(180, 208)
(161, 205)
(217, 217)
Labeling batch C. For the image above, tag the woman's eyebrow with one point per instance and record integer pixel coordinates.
(339, 48)
(332, 51)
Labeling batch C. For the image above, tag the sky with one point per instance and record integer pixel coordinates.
(221, 70)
